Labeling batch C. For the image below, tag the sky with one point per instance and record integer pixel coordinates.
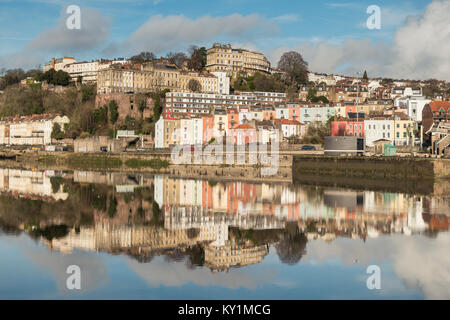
(412, 267)
(412, 43)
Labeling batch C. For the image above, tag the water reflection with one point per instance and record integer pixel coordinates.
(207, 224)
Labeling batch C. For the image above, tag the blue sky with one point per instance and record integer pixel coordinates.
(412, 268)
(271, 27)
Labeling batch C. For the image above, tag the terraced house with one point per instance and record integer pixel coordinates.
(152, 77)
(223, 58)
(30, 130)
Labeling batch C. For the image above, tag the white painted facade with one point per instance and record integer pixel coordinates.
(223, 82)
(415, 107)
(159, 133)
(378, 129)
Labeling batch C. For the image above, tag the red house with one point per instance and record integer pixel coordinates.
(347, 128)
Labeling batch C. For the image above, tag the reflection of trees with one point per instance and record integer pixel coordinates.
(192, 233)
(142, 258)
(196, 256)
(9, 229)
(257, 237)
(292, 246)
(56, 183)
(112, 209)
(175, 255)
(158, 217)
(51, 232)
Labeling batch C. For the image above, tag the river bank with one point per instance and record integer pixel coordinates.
(408, 175)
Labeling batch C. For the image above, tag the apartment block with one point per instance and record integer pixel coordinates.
(152, 77)
(30, 130)
(58, 63)
(202, 103)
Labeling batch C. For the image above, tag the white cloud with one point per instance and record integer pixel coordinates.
(162, 33)
(287, 18)
(163, 273)
(60, 40)
(419, 49)
(93, 32)
(421, 262)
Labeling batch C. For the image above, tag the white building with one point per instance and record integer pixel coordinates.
(223, 82)
(378, 128)
(159, 133)
(31, 130)
(405, 92)
(186, 132)
(291, 128)
(282, 113)
(415, 107)
(58, 64)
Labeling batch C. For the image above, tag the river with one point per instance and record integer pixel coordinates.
(145, 236)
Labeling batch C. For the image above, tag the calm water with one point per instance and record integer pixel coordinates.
(155, 237)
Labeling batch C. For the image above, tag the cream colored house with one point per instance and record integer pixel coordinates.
(30, 130)
(58, 64)
(151, 77)
(223, 58)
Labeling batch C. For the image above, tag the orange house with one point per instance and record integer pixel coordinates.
(208, 128)
(269, 114)
(233, 118)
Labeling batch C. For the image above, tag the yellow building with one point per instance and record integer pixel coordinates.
(221, 258)
(403, 130)
(223, 58)
(152, 78)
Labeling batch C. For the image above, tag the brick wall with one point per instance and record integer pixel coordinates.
(128, 104)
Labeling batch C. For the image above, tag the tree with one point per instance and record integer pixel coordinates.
(365, 75)
(141, 107)
(197, 60)
(113, 112)
(292, 246)
(177, 58)
(112, 207)
(294, 67)
(87, 92)
(322, 99)
(11, 77)
(311, 94)
(142, 57)
(194, 85)
(156, 106)
(60, 77)
(57, 133)
(101, 115)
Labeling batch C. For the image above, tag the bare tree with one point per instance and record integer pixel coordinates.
(144, 56)
(294, 67)
(177, 58)
(197, 60)
(194, 85)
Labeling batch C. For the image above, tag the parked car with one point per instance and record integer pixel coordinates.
(308, 148)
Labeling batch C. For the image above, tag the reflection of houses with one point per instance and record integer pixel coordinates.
(31, 184)
(115, 238)
(112, 178)
(234, 255)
